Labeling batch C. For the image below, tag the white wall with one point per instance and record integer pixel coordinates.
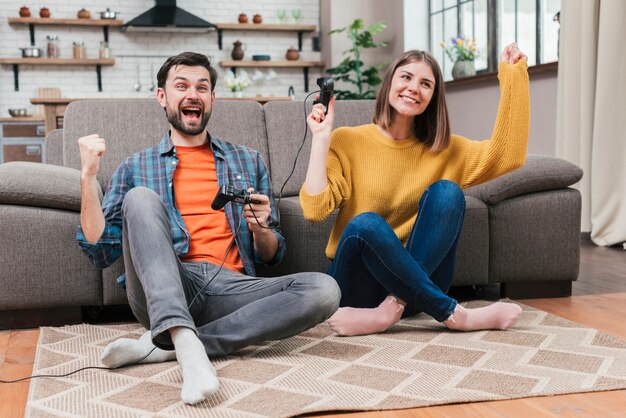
(473, 110)
(146, 50)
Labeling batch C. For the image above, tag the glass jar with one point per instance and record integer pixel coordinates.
(105, 52)
(78, 50)
(52, 50)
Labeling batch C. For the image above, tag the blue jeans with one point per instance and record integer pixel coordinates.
(371, 262)
(230, 310)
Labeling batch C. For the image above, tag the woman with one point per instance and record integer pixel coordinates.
(397, 183)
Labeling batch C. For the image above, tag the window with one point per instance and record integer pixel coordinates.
(494, 24)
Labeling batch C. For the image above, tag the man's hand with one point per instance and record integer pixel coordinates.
(265, 242)
(92, 148)
(262, 211)
(512, 54)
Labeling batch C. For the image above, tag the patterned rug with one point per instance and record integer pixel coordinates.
(416, 363)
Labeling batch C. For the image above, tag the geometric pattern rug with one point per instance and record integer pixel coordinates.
(416, 363)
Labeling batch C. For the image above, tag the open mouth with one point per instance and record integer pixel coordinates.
(192, 113)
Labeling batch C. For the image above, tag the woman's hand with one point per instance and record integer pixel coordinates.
(512, 54)
(320, 124)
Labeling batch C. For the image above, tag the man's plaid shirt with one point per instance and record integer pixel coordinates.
(154, 168)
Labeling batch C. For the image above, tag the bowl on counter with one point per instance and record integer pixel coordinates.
(15, 112)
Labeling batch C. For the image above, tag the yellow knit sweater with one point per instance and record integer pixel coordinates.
(370, 172)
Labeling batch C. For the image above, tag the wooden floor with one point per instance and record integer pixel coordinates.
(598, 301)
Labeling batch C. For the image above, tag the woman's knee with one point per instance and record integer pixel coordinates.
(365, 223)
(446, 195)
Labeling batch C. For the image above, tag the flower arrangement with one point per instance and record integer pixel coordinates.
(237, 83)
(461, 49)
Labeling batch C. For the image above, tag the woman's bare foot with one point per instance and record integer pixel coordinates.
(500, 315)
(349, 321)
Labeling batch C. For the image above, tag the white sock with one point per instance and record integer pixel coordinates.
(199, 375)
(126, 351)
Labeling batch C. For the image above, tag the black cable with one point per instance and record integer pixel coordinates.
(230, 246)
(295, 161)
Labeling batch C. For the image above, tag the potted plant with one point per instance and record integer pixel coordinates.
(352, 69)
(461, 52)
(237, 84)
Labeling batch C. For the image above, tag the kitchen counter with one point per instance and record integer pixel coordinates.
(31, 118)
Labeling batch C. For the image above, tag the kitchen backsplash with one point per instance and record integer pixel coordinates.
(146, 51)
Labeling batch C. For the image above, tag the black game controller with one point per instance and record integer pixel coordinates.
(228, 193)
(327, 86)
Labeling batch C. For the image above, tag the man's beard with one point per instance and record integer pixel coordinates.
(175, 119)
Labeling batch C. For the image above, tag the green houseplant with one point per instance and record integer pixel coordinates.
(351, 69)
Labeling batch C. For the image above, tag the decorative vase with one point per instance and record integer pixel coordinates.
(463, 69)
(238, 94)
(292, 54)
(243, 18)
(238, 51)
(84, 14)
(257, 18)
(44, 12)
(24, 11)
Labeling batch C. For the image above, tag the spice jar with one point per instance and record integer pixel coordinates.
(105, 52)
(52, 50)
(78, 50)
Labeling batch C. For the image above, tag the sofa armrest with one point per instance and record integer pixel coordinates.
(541, 172)
(42, 185)
(54, 147)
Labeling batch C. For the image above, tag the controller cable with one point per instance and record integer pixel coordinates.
(230, 246)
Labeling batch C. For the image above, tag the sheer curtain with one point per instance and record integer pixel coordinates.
(591, 111)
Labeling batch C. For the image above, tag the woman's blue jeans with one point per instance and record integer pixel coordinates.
(372, 263)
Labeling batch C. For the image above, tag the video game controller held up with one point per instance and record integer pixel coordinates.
(228, 193)
(327, 86)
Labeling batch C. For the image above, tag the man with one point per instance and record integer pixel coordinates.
(157, 212)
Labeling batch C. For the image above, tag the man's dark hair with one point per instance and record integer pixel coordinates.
(190, 59)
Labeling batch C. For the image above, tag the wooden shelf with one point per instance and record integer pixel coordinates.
(64, 22)
(299, 29)
(305, 65)
(270, 63)
(57, 61)
(266, 27)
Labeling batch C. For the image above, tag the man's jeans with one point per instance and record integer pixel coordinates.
(232, 310)
(371, 262)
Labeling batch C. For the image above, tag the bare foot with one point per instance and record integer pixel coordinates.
(349, 321)
(500, 315)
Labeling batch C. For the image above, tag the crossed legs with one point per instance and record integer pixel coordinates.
(371, 264)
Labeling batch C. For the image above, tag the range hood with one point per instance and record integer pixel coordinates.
(165, 15)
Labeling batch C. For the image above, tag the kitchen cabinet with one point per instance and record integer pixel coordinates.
(105, 24)
(22, 139)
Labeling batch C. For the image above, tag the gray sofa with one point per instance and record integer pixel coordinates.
(521, 230)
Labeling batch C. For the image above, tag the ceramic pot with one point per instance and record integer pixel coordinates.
(44, 12)
(463, 69)
(257, 18)
(24, 11)
(243, 18)
(292, 54)
(238, 51)
(83, 14)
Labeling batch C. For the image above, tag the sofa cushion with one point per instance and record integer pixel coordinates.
(54, 147)
(286, 123)
(541, 172)
(130, 125)
(44, 185)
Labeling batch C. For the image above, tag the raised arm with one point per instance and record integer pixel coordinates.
(92, 148)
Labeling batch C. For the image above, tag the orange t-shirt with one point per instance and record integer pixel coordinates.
(195, 186)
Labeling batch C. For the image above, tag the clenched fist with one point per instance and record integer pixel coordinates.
(92, 148)
(511, 54)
